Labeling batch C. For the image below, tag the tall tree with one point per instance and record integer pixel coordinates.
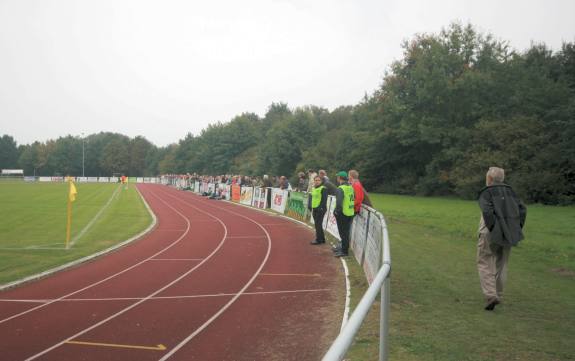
(8, 152)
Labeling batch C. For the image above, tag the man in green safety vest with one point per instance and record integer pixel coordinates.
(344, 212)
(317, 203)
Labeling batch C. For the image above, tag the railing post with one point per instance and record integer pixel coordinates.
(365, 239)
(384, 320)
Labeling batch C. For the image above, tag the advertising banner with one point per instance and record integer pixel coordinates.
(331, 225)
(57, 179)
(114, 180)
(103, 180)
(132, 180)
(359, 234)
(29, 179)
(139, 180)
(228, 192)
(246, 196)
(260, 197)
(297, 205)
(197, 186)
(236, 193)
(204, 187)
(211, 188)
(279, 200)
(372, 259)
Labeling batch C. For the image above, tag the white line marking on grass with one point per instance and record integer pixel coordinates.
(58, 245)
(260, 293)
(126, 309)
(96, 217)
(87, 258)
(95, 283)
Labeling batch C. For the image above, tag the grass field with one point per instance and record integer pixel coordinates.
(437, 306)
(33, 224)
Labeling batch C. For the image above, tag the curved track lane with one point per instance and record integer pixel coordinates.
(213, 281)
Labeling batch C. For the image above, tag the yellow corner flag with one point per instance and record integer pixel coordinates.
(71, 198)
(73, 192)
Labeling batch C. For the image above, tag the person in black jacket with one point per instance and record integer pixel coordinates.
(500, 228)
(317, 203)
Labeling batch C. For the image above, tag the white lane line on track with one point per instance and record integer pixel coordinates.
(343, 261)
(264, 293)
(176, 259)
(103, 280)
(231, 237)
(126, 309)
(234, 298)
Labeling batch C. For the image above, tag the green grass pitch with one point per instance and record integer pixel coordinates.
(437, 306)
(33, 223)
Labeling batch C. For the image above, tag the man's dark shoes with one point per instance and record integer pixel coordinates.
(340, 253)
(491, 303)
(316, 242)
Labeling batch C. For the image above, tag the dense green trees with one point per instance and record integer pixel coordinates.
(455, 104)
(104, 155)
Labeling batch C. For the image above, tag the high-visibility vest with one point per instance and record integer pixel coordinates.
(348, 200)
(316, 196)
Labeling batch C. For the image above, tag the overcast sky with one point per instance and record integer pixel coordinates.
(162, 69)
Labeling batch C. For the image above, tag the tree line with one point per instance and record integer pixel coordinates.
(456, 103)
(102, 154)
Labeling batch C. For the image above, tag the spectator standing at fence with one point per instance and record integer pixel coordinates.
(284, 183)
(500, 228)
(301, 182)
(361, 196)
(317, 203)
(267, 181)
(311, 175)
(331, 188)
(344, 212)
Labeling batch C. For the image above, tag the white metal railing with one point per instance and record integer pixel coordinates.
(380, 284)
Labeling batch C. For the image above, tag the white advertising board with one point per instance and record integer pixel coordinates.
(279, 199)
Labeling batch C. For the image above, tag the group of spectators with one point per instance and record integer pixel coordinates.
(349, 194)
(304, 181)
(348, 191)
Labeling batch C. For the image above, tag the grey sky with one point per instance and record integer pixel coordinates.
(164, 68)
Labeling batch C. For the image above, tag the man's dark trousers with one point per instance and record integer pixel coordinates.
(343, 227)
(318, 222)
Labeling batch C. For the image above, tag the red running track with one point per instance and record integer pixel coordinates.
(212, 281)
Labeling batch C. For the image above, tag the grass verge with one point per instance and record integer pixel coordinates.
(437, 306)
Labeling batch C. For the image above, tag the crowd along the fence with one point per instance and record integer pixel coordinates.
(366, 233)
(92, 179)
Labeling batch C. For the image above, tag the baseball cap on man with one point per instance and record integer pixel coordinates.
(342, 174)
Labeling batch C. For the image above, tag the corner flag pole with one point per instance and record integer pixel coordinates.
(71, 198)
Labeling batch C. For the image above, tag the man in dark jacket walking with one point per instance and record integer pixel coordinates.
(500, 228)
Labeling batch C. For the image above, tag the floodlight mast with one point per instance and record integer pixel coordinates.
(82, 155)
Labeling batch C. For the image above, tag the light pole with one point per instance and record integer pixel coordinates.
(82, 155)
